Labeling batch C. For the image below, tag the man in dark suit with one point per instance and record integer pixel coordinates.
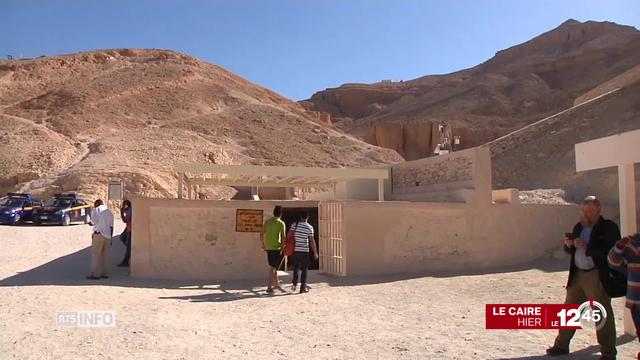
(590, 276)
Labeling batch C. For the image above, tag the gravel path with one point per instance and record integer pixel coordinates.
(42, 272)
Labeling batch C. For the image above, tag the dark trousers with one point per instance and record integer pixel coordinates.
(635, 315)
(126, 239)
(301, 261)
(585, 286)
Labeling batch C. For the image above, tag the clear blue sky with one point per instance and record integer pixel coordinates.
(297, 47)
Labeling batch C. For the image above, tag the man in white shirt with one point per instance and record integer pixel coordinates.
(102, 222)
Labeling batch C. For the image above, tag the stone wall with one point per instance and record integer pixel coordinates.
(431, 172)
(400, 238)
(197, 239)
(456, 177)
(206, 241)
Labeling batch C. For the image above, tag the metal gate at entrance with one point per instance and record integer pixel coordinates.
(333, 259)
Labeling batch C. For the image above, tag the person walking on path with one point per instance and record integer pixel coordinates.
(273, 239)
(590, 276)
(304, 244)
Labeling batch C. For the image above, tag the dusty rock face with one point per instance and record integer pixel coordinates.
(354, 100)
(543, 196)
(516, 87)
(543, 156)
(420, 139)
(411, 140)
(627, 78)
(80, 120)
(320, 116)
(389, 135)
(416, 140)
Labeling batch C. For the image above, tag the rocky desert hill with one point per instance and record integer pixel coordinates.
(520, 85)
(73, 122)
(542, 155)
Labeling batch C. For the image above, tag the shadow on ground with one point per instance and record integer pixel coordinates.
(546, 265)
(223, 294)
(587, 353)
(71, 269)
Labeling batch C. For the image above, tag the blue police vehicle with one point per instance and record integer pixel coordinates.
(17, 208)
(63, 209)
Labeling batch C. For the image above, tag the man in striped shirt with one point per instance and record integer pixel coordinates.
(304, 242)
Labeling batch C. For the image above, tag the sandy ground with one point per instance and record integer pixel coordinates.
(42, 272)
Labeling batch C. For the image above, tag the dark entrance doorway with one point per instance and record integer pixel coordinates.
(291, 214)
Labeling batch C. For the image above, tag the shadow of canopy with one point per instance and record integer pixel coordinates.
(71, 269)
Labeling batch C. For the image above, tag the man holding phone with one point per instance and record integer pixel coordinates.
(589, 274)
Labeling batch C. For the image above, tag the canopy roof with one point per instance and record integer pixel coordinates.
(273, 176)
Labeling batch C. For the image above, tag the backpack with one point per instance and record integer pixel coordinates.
(290, 242)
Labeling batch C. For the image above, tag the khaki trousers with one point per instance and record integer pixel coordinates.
(584, 286)
(100, 249)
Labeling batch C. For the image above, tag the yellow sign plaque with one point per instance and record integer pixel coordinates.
(249, 220)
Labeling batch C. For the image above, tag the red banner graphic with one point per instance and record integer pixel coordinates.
(542, 316)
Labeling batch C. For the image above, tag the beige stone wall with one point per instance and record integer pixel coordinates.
(430, 172)
(196, 239)
(462, 176)
(396, 238)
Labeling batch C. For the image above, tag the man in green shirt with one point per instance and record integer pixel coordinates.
(273, 239)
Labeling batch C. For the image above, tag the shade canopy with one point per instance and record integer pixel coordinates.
(274, 176)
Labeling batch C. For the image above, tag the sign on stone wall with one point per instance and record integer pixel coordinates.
(249, 220)
(115, 191)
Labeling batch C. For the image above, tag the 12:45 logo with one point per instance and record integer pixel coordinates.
(588, 313)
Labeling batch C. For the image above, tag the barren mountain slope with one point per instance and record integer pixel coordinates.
(517, 86)
(73, 122)
(543, 156)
